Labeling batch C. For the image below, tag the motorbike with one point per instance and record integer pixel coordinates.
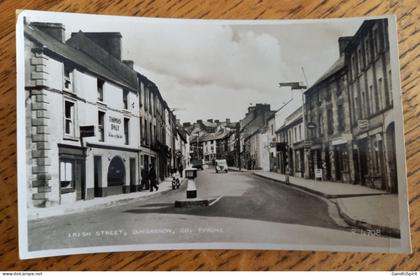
(175, 182)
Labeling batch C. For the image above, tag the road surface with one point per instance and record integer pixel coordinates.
(244, 209)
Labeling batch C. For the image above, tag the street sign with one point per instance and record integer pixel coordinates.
(311, 125)
(318, 173)
(87, 131)
(307, 143)
(363, 124)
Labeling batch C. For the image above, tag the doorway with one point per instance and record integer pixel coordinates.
(116, 176)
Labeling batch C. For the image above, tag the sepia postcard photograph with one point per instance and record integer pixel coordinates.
(164, 134)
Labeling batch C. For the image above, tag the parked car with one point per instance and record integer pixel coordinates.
(221, 166)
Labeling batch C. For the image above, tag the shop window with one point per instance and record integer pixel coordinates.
(66, 176)
(100, 88)
(101, 120)
(69, 118)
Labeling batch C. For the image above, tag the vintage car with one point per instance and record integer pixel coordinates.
(221, 166)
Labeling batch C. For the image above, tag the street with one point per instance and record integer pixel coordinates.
(244, 208)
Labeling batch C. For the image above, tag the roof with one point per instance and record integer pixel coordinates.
(337, 66)
(220, 134)
(80, 58)
(120, 70)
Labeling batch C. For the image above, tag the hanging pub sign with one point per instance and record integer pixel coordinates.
(87, 131)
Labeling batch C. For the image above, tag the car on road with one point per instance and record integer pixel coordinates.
(221, 166)
(197, 164)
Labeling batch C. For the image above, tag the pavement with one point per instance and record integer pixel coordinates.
(358, 205)
(376, 213)
(244, 209)
(102, 202)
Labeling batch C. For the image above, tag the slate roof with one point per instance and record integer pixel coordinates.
(220, 134)
(82, 56)
(337, 66)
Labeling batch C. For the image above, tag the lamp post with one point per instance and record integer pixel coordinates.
(300, 86)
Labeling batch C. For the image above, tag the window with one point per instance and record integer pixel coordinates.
(380, 94)
(272, 130)
(146, 98)
(374, 104)
(328, 93)
(320, 125)
(100, 86)
(69, 118)
(376, 41)
(390, 87)
(101, 120)
(300, 132)
(150, 134)
(125, 98)
(363, 105)
(340, 113)
(141, 131)
(330, 121)
(360, 58)
(146, 132)
(141, 92)
(68, 78)
(367, 50)
(126, 130)
(66, 176)
(339, 86)
(295, 130)
(353, 66)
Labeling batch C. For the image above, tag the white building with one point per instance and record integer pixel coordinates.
(70, 94)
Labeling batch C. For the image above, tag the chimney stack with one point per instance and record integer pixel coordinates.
(55, 30)
(342, 43)
(210, 120)
(109, 41)
(129, 63)
(227, 121)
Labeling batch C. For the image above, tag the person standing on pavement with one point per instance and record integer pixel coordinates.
(180, 169)
(144, 179)
(152, 178)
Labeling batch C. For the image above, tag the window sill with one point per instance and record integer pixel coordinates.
(67, 190)
(71, 138)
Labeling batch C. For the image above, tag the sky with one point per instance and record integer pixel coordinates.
(217, 69)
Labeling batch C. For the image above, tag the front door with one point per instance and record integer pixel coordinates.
(97, 175)
(132, 174)
(78, 178)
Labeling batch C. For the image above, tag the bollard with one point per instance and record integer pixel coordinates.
(191, 189)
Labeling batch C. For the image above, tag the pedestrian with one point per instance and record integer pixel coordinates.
(144, 179)
(152, 178)
(180, 169)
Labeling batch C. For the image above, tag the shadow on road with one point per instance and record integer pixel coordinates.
(248, 207)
